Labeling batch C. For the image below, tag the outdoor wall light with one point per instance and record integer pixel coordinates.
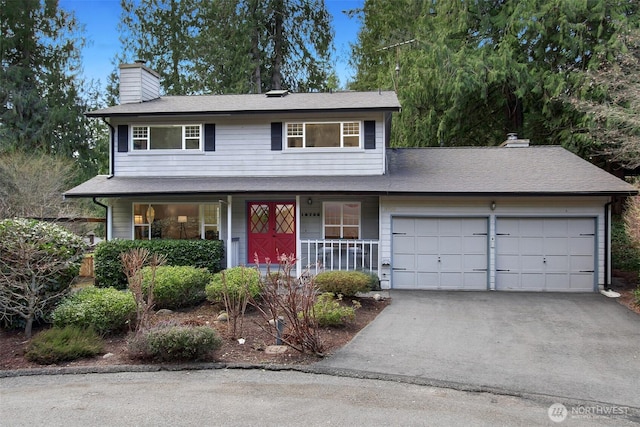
(493, 206)
(309, 201)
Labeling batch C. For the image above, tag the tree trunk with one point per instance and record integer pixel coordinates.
(278, 43)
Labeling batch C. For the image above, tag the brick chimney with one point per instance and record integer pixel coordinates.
(138, 83)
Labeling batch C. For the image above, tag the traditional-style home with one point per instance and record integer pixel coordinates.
(312, 174)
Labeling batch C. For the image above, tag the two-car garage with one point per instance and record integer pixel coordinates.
(513, 253)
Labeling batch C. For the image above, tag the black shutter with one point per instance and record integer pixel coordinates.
(369, 134)
(209, 137)
(123, 138)
(276, 136)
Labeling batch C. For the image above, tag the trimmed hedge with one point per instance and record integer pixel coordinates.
(177, 286)
(346, 283)
(195, 253)
(105, 310)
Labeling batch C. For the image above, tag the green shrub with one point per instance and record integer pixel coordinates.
(38, 262)
(177, 286)
(57, 345)
(636, 296)
(175, 342)
(328, 310)
(374, 281)
(237, 280)
(103, 309)
(624, 256)
(195, 253)
(346, 283)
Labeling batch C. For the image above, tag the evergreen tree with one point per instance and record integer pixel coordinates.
(230, 46)
(41, 94)
(478, 69)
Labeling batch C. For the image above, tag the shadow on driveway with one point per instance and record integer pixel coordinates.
(578, 346)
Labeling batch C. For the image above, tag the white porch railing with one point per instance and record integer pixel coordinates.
(339, 254)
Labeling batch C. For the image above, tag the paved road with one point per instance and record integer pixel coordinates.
(258, 398)
(577, 346)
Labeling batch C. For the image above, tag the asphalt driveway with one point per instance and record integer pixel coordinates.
(577, 346)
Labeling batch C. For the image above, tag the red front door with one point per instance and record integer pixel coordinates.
(272, 230)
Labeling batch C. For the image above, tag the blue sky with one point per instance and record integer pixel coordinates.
(100, 18)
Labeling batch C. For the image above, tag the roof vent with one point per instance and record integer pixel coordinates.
(277, 93)
(514, 141)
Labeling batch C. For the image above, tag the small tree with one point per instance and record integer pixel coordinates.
(38, 262)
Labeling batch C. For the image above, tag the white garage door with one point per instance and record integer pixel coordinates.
(545, 254)
(439, 253)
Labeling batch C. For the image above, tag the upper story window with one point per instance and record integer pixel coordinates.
(167, 137)
(323, 135)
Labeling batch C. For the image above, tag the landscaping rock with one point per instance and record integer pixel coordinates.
(164, 312)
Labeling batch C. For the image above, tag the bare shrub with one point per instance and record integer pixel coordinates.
(292, 299)
(133, 262)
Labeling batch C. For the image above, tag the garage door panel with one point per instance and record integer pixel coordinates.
(449, 227)
(582, 263)
(450, 245)
(451, 263)
(581, 245)
(424, 228)
(475, 244)
(531, 245)
(581, 282)
(404, 225)
(474, 262)
(426, 263)
(427, 280)
(556, 246)
(426, 245)
(556, 227)
(404, 280)
(557, 263)
(475, 281)
(555, 254)
(404, 261)
(404, 244)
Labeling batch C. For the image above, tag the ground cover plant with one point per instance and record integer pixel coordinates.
(58, 345)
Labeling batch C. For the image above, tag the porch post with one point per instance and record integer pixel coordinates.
(229, 235)
(298, 243)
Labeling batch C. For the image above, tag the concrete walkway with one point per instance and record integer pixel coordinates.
(576, 346)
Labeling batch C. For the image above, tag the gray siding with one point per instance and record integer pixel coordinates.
(243, 147)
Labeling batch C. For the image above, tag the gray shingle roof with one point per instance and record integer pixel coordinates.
(468, 171)
(256, 104)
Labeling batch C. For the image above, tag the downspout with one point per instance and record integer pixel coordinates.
(111, 148)
(106, 216)
(607, 240)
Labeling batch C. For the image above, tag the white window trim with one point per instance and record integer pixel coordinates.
(342, 136)
(341, 203)
(184, 139)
